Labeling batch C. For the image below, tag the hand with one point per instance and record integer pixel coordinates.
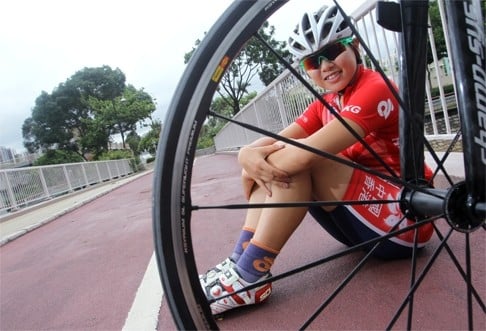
(258, 170)
(248, 183)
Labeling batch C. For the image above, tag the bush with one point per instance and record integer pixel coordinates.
(116, 154)
(54, 156)
(447, 89)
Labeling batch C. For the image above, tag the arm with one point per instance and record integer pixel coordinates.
(332, 138)
(253, 159)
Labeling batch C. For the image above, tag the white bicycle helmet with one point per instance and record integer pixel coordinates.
(316, 30)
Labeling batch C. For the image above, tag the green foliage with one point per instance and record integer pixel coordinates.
(116, 154)
(50, 127)
(270, 66)
(150, 140)
(122, 113)
(255, 59)
(133, 141)
(96, 137)
(121, 154)
(102, 83)
(437, 32)
(447, 89)
(213, 124)
(53, 156)
(82, 113)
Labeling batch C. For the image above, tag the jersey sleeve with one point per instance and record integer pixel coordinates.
(311, 119)
(372, 106)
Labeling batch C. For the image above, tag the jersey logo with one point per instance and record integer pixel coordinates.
(385, 107)
(353, 109)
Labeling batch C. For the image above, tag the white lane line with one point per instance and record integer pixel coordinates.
(144, 314)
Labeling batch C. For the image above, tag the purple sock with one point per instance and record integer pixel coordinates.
(245, 237)
(255, 262)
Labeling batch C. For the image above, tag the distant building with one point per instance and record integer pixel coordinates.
(117, 145)
(7, 155)
(444, 77)
(9, 158)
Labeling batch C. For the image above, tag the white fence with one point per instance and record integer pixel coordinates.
(285, 98)
(26, 186)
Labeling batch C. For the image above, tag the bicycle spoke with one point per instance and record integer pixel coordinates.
(416, 284)
(468, 283)
(440, 163)
(189, 111)
(413, 272)
(339, 288)
(333, 157)
(319, 97)
(359, 247)
(460, 269)
(295, 204)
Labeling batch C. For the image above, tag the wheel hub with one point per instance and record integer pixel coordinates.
(459, 209)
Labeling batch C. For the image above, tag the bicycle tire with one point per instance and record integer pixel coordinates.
(176, 152)
(186, 113)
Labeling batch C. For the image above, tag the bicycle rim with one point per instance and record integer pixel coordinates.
(173, 209)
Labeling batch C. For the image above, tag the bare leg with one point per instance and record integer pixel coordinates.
(277, 224)
(327, 180)
(253, 214)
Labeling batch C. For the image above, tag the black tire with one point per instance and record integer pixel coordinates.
(172, 207)
(188, 109)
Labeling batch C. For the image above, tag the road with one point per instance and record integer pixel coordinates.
(92, 268)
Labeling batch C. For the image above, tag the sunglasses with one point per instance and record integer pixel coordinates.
(328, 53)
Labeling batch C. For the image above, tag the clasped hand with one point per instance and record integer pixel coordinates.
(257, 169)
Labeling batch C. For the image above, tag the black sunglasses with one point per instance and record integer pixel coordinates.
(327, 53)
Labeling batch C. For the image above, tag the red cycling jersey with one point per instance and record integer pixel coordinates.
(369, 103)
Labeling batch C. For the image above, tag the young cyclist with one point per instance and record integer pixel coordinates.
(274, 172)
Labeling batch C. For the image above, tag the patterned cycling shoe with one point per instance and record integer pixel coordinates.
(213, 274)
(230, 281)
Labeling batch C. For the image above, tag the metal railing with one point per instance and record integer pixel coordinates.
(280, 103)
(27, 186)
(19, 161)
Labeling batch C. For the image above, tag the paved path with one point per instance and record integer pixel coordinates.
(82, 269)
(18, 223)
(370, 299)
(92, 268)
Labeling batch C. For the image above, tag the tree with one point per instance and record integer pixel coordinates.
(133, 141)
(82, 113)
(150, 140)
(255, 59)
(438, 33)
(101, 83)
(270, 66)
(122, 113)
(57, 157)
(214, 124)
(50, 127)
(436, 23)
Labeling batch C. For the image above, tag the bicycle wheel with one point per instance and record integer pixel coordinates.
(174, 210)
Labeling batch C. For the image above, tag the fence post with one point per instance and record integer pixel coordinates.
(83, 169)
(98, 171)
(10, 194)
(70, 187)
(281, 107)
(110, 176)
(44, 183)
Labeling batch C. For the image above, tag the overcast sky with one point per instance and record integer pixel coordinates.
(43, 43)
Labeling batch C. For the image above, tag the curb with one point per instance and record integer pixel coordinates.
(62, 212)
